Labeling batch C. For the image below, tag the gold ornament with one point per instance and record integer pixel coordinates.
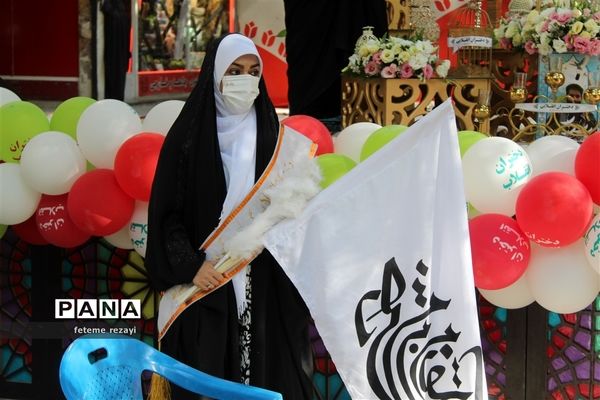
(471, 36)
(422, 20)
(520, 7)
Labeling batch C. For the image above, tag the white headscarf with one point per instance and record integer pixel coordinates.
(237, 142)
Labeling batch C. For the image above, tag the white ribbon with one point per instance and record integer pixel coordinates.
(560, 108)
(456, 43)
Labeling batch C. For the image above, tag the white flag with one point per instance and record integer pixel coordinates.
(382, 259)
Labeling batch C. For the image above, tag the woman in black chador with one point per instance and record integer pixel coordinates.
(254, 328)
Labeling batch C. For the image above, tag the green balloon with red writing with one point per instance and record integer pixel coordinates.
(19, 122)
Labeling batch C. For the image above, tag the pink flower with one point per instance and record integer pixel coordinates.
(594, 47)
(581, 45)
(545, 25)
(505, 43)
(406, 71)
(377, 57)
(530, 47)
(586, 12)
(371, 68)
(389, 71)
(427, 71)
(569, 41)
(597, 16)
(567, 38)
(563, 17)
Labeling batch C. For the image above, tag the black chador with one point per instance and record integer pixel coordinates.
(186, 202)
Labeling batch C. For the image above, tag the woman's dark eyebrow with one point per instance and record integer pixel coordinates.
(241, 66)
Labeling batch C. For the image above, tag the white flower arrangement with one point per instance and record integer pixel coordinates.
(559, 28)
(393, 57)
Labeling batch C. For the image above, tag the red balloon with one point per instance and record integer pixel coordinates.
(499, 249)
(587, 165)
(313, 129)
(135, 164)
(55, 224)
(28, 231)
(554, 209)
(97, 204)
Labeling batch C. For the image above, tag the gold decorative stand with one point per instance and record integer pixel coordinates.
(403, 101)
(398, 13)
(504, 65)
(526, 127)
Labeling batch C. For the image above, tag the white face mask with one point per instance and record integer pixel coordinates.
(239, 92)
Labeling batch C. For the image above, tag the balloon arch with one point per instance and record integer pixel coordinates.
(533, 208)
(88, 172)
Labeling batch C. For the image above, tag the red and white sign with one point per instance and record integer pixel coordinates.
(263, 21)
(443, 7)
(152, 83)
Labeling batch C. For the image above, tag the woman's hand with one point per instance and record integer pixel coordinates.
(207, 276)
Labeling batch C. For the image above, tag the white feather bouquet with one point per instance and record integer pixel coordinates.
(286, 200)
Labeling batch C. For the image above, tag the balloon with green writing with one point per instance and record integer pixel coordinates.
(67, 115)
(19, 122)
(466, 139)
(591, 240)
(380, 138)
(333, 166)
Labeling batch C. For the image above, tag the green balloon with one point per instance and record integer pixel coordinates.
(2, 230)
(466, 139)
(333, 166)
(66, 116)
(380, 138)
(19, 122)
(472, 212)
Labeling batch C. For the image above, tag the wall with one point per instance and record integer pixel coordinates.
(39, 42)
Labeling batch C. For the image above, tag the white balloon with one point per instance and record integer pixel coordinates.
(18, 201)
(551, 144)
(51, 162)
(160, 118)
(120, 238)
(546, 154)
(138, 227)
(591, 239)
(495, 170)
(561, 162)
(103, 127)
(524, 144)
(350, 140)
(516, 295)
(7, 96)
(561, 279)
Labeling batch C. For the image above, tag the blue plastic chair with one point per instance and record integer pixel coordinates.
(110, 368)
